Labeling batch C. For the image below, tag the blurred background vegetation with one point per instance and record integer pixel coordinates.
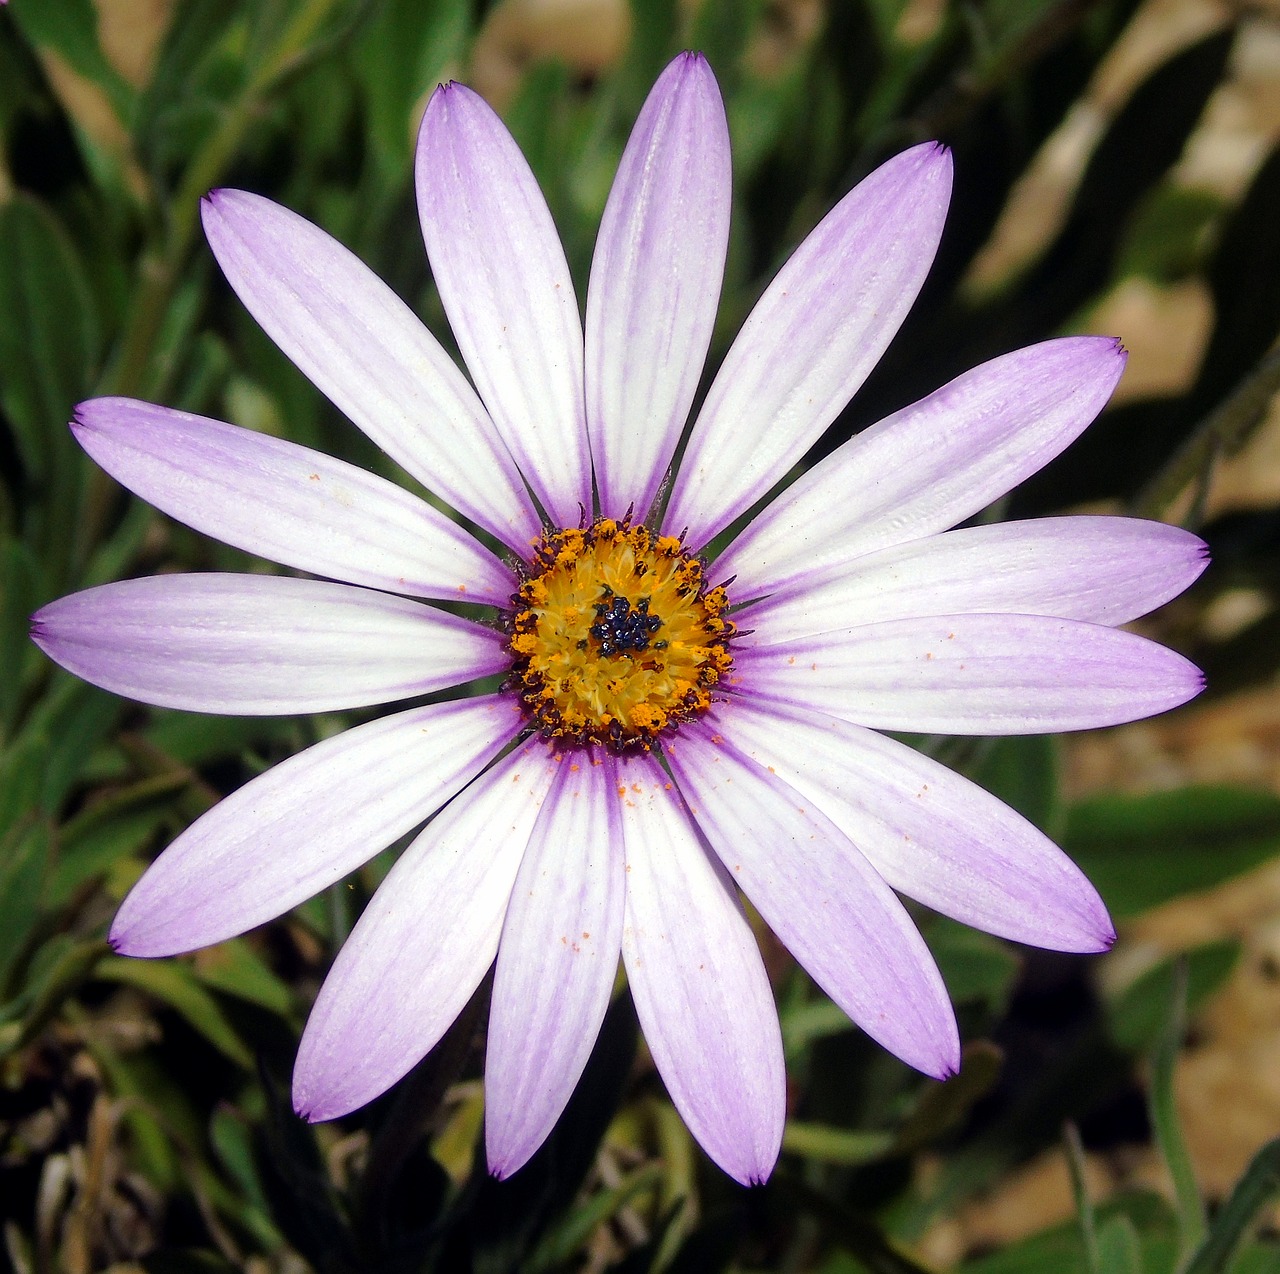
(1116, 171)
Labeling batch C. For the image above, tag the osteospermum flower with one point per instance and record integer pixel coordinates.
(668, 732)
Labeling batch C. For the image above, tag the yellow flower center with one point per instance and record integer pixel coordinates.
(616, 636)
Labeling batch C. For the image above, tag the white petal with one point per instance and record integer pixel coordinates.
(306, 823)
(973, 674)
(423, 944)
(362, 347)
(930, 833)
(557, 962)
(812, 339)
(699, 984)
(261, 644)
(931, 465)
(288, 503)
(1098, 569)
(820, 896)
(505, 286)
(655, 283)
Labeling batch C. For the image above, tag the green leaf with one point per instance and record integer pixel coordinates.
(1165, 240)
(1141, 851)
(1257, 1188)
(825, 1144)
(24, 857)
(232, 1143)
(235, 968)
(70, 29)
(943, 1107)
(22, 768)
(560, 1243)
(82, 721)
(1083, 1201)
(19, 596)
(1167, 1126)
(1138, 1014)
(57, 971)
(49, 341)
(399, 57)
(975, 966)
(195, 740)
(1119, 1249)
(1024, 774)
(1060, 1250)
(721, 29)
(174, 984)
(94, 849)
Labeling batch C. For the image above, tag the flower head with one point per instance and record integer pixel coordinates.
(671, 728)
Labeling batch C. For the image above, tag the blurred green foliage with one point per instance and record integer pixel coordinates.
(143, 1116)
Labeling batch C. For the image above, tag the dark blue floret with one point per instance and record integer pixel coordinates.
(621, 628)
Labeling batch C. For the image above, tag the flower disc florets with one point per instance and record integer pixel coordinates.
(616, 636)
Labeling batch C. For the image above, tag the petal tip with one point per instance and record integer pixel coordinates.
(83, 416)
(757, 1170)
(947, 1063)
(316, 1107)
(305, 1110)
(212, 202)
(503, 1166)
(124, 939)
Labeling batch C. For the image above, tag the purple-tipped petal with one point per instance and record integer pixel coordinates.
(812, 339)
(306, 823)
(363, 348)
(931, 465)
(973, 674)
(287, 503)
(557, 961)
(699, 984)
(821, 897)
(1099, 569)
(260, 644)
(423, 943)
(505, 286)
(931, 834)
(655, 283)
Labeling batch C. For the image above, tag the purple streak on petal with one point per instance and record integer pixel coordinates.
(556, 962)
(288, 503)
(930, 833)
(363, 348)
(973, 674)
(820, 896)
(423, 943)
(931, 465)
(505, 286)
(699, 984)
(1102, 570)
(655, 283)
(307, 823)
(812, 339)
(261, 644)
